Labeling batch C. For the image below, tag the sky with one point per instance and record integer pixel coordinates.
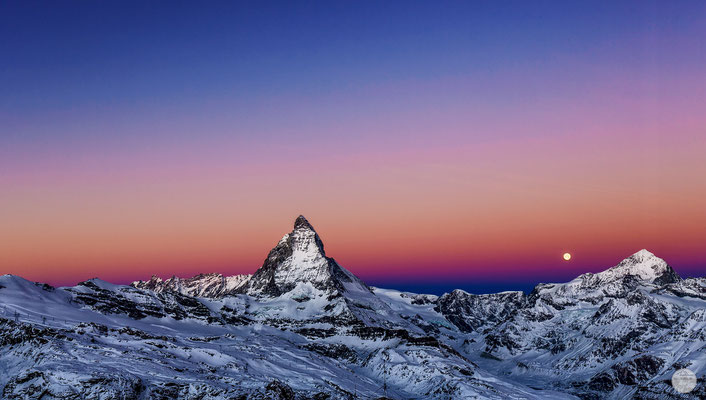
(433, 145)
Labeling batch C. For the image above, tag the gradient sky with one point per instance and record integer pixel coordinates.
(432, 144)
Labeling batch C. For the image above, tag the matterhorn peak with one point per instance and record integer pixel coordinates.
(304, 239)
(299, 258)
(302, 223)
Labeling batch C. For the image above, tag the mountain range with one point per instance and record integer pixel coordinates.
(304, 327)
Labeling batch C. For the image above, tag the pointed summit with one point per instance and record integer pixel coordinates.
(299, 258)
(301, 222)
(644, 253)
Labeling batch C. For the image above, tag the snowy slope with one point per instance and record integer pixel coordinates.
(302, 327)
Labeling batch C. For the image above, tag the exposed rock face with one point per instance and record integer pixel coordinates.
(470, 312)
(692, 287)
(111, 299)
(201, 285)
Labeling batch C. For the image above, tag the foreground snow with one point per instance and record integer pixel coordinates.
(59, 346)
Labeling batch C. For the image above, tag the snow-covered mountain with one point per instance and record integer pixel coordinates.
(299, 259)
(303, 327)
(616, 334)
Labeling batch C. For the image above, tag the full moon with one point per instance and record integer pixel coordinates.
(567, 256)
